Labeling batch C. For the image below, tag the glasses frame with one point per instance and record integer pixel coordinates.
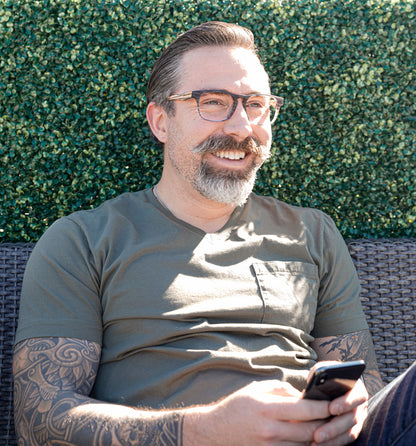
(196, 94)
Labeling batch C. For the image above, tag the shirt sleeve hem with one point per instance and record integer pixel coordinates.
(87, 332)
(340, 328)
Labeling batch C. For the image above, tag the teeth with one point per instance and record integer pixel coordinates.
(233, 155)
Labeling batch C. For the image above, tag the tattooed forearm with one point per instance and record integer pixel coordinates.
(53, 378)
(350, 347)
(122, 429)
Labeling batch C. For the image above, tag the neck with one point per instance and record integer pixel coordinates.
(191, 207)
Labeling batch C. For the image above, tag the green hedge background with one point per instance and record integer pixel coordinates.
(73, 133)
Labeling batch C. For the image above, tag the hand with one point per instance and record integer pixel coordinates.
(349, 413)
(262, 413)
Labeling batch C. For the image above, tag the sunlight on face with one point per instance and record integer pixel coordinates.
(219, 159)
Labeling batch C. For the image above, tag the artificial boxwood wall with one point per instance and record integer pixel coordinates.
(73, 133)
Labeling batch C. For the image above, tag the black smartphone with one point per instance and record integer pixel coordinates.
(333, 380)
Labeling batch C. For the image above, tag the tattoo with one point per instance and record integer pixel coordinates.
(163, 431)
(350, 347)
(52, 380)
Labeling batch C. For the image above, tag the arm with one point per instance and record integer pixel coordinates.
(54, 377)
(349, 417)
(349, 347)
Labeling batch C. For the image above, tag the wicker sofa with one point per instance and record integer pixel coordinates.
(387, 271)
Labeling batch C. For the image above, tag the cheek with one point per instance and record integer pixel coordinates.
(189, 131)
(265, 138)
(264, 134)
(180, 155)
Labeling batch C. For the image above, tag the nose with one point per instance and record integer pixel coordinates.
(238, 125)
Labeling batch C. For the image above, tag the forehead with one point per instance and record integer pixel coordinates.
(235, 69)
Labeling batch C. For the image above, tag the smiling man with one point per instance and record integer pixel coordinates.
(216, 140)
(191, 313)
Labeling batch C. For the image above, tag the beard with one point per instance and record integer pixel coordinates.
(228, 186)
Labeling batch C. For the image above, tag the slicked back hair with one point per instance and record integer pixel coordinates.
(166, 72)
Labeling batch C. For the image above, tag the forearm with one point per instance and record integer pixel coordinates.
(373, 382)
(78, 420)
(53, 378)
(349, 347)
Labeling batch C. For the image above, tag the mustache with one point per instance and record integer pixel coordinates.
(215, 143)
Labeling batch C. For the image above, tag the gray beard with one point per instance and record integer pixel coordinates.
(224, 186)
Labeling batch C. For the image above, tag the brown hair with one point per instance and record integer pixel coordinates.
(166, 71)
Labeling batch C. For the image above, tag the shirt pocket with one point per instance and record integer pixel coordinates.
(289, 291)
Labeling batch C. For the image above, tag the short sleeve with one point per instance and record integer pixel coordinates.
(339, 308)
(60, 291)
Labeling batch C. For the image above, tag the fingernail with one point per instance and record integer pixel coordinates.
(336, 409)
(322, 437)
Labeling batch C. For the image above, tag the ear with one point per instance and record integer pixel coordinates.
(156, 117)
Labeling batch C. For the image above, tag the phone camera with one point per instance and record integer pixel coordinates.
(323, 378)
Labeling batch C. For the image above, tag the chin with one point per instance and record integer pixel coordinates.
(234, 192)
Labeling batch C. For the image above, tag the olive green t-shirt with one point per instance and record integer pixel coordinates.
(183, 316)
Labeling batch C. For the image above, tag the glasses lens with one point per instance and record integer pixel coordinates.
(261, 108)
(218, 106)
(215, 106)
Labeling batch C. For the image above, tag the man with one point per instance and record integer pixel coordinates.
(191, 313)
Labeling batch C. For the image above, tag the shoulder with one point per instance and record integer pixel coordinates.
(127, 203)
(304, 228)
(274, 204)
(274, 211)
(86, 236)
(110, 216)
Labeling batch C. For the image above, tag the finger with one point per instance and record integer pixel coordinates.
(343, 439)
(276, 404)
(346, 426)
(289, 409)
(357, 396)
(335, 428)
(297, 432)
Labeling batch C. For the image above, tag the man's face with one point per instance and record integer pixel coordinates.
(218, 159)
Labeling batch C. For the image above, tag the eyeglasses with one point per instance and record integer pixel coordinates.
(219, 105)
